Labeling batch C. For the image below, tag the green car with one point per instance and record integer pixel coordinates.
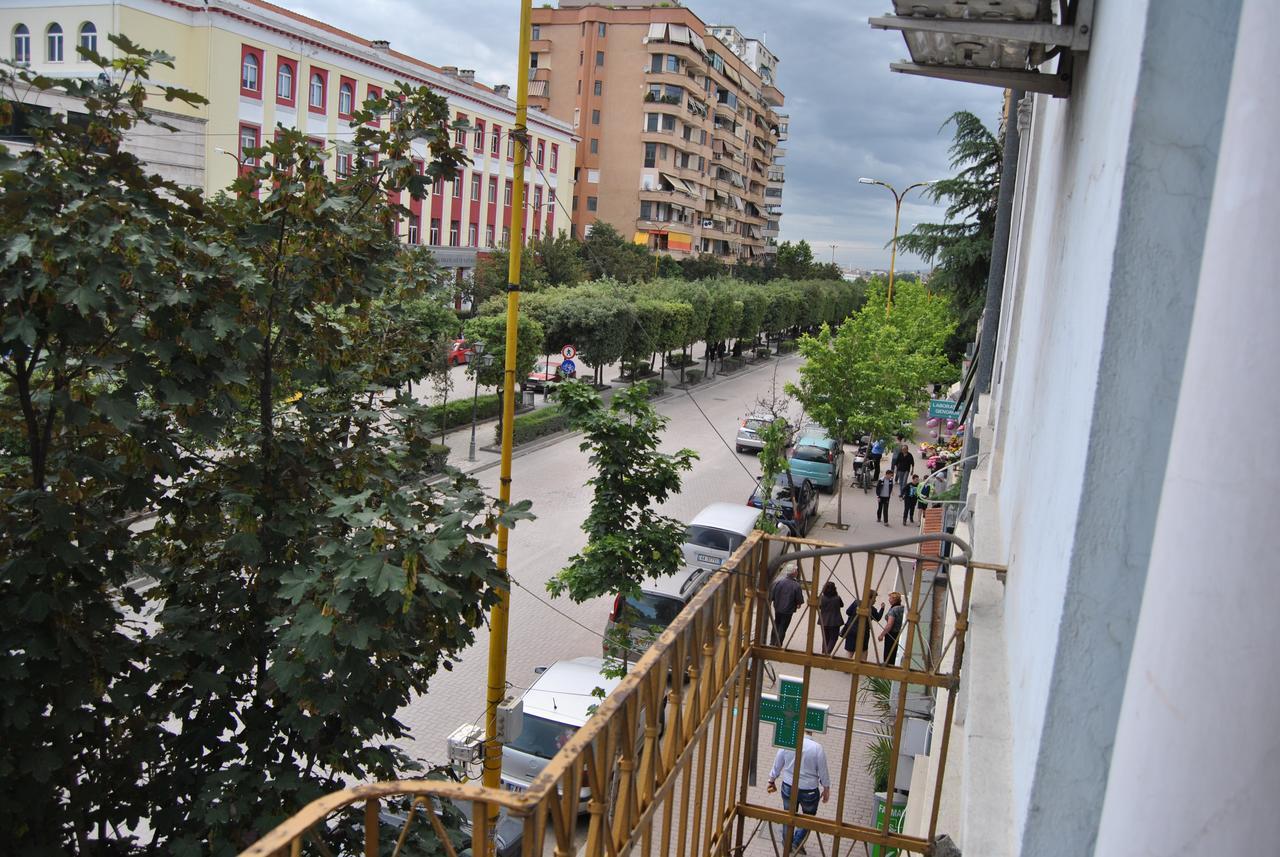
(817, 458)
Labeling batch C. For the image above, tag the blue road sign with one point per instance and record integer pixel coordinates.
(568, 367)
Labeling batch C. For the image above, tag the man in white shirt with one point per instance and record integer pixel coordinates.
(814, 779)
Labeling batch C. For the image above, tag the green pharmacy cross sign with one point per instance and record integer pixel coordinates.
(783, 711)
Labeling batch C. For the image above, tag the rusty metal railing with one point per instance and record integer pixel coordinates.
(669, 757)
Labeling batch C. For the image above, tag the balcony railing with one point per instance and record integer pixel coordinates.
(671, 758)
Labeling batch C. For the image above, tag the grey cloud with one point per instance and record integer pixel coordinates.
(850, 116)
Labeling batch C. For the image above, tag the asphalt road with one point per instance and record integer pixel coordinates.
(544, 630)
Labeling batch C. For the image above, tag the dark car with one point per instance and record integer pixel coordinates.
(794, 505)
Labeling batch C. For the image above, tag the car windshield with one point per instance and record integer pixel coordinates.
(647, 611)
(810, 453)
(710, 537)
(754, 425)
(544, 368)
(781, 494)
(540, 737)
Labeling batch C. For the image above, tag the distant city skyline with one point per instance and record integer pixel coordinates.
(850, 116)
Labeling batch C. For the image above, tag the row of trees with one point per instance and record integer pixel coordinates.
(608, 321)
(297, 579)
(606, 254)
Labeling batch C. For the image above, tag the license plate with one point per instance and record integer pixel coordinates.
(714, 560)
(512, 787)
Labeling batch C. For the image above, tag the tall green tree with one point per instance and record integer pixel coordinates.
(627, 540)
(794, 261)
(960, 248)
(560, 259)
(606, 253)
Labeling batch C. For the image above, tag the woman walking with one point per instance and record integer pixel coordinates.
(863, 627)
(829, 606)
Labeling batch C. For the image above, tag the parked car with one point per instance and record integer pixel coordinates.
(716, 532)
(647, 613)
(748, 428)
(555, 706)
(460, 353)
(545, 375)
(818, 459)
(794, 503)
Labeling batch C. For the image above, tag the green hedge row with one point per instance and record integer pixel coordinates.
(458, 411)
(437, 457)
(692, 376)
(539, 423)
(654, 387)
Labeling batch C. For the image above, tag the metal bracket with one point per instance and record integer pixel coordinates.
(1028, 81)
(1074, 38)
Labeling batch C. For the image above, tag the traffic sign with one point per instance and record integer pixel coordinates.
(945, 409)
(568, 367)
(568, 352)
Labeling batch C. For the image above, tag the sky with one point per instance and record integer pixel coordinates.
(850, 115)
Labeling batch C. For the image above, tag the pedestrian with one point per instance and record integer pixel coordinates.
(815, 781)
(829, 607)
(922, 497)
(877, 452)
(863, 627)
(909, 499)
(787, 596)
(903, 464)
(884, 491)
(892, 628)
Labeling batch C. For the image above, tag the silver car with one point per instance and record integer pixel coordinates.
(749, 427)
(647, 613)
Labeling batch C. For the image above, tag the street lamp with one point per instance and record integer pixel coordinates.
(897, 211)
(484, 360)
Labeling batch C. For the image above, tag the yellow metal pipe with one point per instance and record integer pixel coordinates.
(498, 617)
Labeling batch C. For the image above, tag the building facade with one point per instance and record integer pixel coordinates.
(262, 67)
(678, 130)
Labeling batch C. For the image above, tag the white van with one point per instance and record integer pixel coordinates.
(716, 532)
(554, 707)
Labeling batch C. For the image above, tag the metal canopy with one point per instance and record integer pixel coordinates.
(992, 42)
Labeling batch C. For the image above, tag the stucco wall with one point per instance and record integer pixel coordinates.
(1196, 768)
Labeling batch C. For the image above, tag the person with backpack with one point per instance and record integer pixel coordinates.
(910, 496)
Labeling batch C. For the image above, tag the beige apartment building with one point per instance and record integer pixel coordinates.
(679, 132)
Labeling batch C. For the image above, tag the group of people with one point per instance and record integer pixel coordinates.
(900, 478)
(838, 622)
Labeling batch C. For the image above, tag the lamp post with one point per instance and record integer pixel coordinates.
(484, 360)
(897, 211)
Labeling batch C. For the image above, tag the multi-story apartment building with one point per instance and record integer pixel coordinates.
(678, 130)
(764, 63)
(262, 66)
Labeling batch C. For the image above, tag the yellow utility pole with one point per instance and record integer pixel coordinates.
(497, 688)
(897, 212)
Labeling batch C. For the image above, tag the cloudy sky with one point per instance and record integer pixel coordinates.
(850, 116)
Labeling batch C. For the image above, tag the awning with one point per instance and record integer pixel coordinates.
(679, 34)
(658, 31)
(698, 42)
(641, 238)
(678, 183)
(679, 241)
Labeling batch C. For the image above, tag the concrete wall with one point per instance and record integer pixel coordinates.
(1102, 283)
(1196, 767)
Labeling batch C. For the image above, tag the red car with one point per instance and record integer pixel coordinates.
(460, 353)
(545, 374)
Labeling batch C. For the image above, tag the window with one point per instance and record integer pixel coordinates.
(460, 134)
(506, 236)
(493, 189)
(21, 44)
(455, 229)
(345, 164)
(551, 197)
(537, 196)
(595, 146)
(88, 36)
(599, 59)
(414, 228)
(646, 210)
(542, 151)
(595, 117)
(651, 121)
(475, 187)
(495, 140)
(555, 157)
(248, 140)
(581, 54)
(533, 60)
(650, 154)
(592, 202)
(535, 32)
(346, 98)
(53, 43)
(601, 29)
(673, 63)
(597, 88)
(438, 187)
(250, 72)
(511, 148)
(457, 186)
(506, 194)
(488, 235)
(477, 142)
(473, 235)
(579, 86)
(317, 96)
(655, 63)
(435, 232)
(285, 74)
(373, 93)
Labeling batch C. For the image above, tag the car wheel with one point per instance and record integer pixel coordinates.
(740, 449)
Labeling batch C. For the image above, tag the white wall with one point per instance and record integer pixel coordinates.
(1196, 767)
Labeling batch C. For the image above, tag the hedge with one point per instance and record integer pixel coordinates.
(459, 411)
(692, 376)
(730, 364)
(437, 457)
(763, 352)
(539, 423)
(654, 387)
(787, 346)
(675, 361)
